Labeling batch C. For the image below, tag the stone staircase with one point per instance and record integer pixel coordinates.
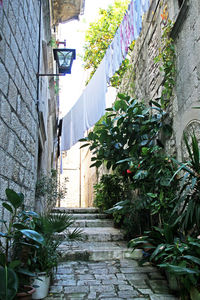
(99, 266)
(100, 240)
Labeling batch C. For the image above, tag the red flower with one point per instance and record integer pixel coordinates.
(128, 171)
(138, 166)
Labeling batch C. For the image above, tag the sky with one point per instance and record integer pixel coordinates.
(72, 85)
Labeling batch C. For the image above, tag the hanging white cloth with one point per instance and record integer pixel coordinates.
(78, 120)
(66, 137)
(91, 105)
(95, 96)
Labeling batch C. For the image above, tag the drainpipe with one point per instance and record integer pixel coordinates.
(38, 88)
(80, 180)
(39, 50)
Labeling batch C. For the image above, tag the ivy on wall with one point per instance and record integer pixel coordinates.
(167, 59)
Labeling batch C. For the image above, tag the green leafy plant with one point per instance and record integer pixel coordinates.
(187, 202)
(128, 215)
(167, 58)
(17, 233)
(128, 141)
(108, 191)
(54, 228)
(125, 132)
(175, 246)
(177, 255)
(49, 190)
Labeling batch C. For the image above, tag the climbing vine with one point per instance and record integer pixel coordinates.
(167, 58)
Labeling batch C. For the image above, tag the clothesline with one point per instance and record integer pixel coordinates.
(90, 106)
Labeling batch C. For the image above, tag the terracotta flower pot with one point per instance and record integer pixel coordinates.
(27, 294)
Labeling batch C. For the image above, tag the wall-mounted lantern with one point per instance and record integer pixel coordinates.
(64, 59)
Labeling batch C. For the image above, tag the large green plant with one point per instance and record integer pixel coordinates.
(128, 129)
(187, 202)
(17, 233)
(178, 255)
(176, 245)
(127, 140)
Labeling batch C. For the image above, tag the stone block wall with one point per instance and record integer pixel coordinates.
(144, 80)
(19, 122)
(18, 83)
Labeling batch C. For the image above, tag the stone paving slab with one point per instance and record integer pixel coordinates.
(111, 279)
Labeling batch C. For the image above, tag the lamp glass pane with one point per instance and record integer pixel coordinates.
(64, 59)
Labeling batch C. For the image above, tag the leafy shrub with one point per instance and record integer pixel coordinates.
(178, 255)
(108, 191)
(127, 141)
(49, 190)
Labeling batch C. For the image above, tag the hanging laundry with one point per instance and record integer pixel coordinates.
(138, 11)
(95, 96)
(66, 137)
(117, 48)
(127, 32)
(78, 120)
(145, 5)
(90, 107)
(109, 63)
(131, 21)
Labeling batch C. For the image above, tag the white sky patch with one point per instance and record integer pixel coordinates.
(72, 85)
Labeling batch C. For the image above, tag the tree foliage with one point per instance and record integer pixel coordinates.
(100, 34)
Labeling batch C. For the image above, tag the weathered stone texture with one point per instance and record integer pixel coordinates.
(144, 80)
(18, 116)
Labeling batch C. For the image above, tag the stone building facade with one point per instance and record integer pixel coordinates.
(144, 80)
(28, 102)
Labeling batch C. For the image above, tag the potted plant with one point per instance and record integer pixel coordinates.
(17, 235)
(46, 256)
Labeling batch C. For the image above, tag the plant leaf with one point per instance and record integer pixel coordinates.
(33, 235)
(15, 199)
(7, 206)
(194, 259)
(179, 270)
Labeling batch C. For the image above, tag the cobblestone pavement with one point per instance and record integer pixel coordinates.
(108, 280)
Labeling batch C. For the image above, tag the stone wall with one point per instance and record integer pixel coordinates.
(20, 114)
(144, 80)
(70, 177)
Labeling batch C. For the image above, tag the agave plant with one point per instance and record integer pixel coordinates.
(187, 206)
(54, 228)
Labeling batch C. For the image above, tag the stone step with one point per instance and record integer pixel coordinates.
(97, 251)
(88, 210)
(86, 216)
(93, 223)
(101, 234)
(92, 216)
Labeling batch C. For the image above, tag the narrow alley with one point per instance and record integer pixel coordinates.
(102, 267)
